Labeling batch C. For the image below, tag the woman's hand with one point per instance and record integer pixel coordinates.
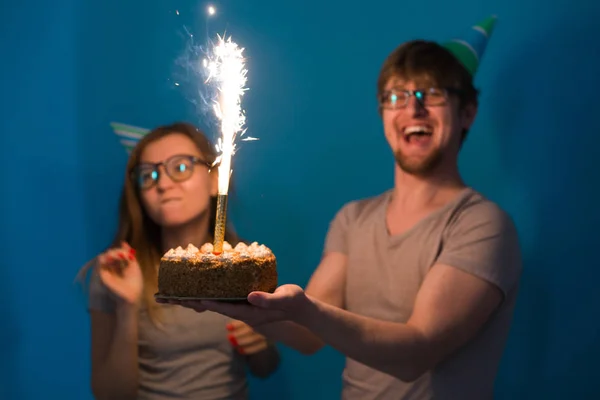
(121, 273)
(245, 339)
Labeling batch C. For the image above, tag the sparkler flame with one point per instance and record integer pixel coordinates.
(226, 69)
(223, 70)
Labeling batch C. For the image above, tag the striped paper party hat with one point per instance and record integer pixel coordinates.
(129, 135)
(469, 49)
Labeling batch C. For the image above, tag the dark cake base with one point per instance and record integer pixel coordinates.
(216, 278)
(159, 296)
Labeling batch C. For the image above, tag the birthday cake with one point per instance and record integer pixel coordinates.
(233, 274)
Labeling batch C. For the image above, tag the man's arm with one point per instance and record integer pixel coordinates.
(480, 263)
(328, 282)
(327, 285)
(450, 309)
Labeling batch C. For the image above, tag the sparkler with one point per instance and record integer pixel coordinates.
(226, 69)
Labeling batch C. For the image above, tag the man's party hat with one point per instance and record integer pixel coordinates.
(129, 135)
(470, 48)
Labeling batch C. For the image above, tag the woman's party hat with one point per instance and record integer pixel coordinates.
(470, 48)
(129, 135)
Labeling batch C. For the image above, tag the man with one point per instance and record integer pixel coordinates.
(416, 286)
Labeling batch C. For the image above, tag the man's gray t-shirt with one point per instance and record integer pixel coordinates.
(384, 274)
(189, 357)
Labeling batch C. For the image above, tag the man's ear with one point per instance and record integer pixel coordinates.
(468, 114)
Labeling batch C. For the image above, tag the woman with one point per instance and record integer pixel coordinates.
(143, 349)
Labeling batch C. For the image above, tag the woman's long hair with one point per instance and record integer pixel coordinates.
(135, 225)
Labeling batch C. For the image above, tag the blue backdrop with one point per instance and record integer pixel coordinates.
(68, 69)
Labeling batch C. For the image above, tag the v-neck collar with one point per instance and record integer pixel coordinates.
(399, 237)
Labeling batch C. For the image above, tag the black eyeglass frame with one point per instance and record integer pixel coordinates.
(155, 167)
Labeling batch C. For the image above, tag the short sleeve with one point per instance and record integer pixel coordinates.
(337, 235)
(483, 241)
(100, 298)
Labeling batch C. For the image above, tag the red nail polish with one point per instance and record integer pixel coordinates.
(131, 257)
(132, 251)
(229, 327)
(232, 340)
(121, 256)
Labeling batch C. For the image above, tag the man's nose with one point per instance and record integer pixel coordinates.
(416, 107)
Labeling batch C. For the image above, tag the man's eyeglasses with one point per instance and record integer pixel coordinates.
(179, 168)
(396, 98)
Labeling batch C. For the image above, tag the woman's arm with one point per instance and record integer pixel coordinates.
(262, 356)
(265, 362)
(115, 353)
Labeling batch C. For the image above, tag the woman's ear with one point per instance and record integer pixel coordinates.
(214, 182)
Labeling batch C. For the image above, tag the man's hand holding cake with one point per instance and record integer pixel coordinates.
(287, 315)
(285, 303)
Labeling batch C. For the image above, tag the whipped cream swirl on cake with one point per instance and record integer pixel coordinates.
(241, 250)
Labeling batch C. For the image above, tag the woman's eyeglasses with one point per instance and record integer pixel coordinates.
(179, 168)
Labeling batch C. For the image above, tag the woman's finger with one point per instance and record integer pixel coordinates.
(246, 341)
(249, 350)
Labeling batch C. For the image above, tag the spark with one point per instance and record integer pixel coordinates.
(226, 69)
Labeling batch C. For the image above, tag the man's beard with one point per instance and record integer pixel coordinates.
(419, 166)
